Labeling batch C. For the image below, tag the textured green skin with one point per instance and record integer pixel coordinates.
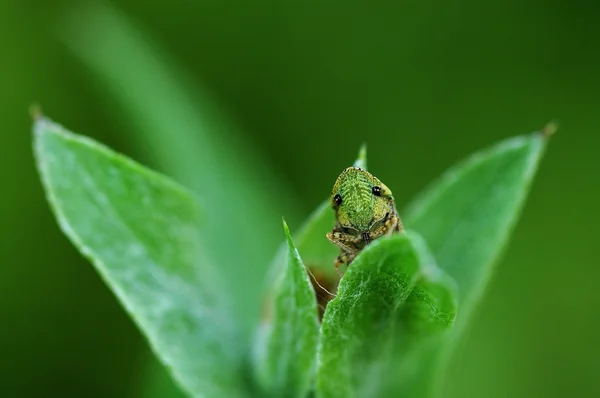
(360, 209)
(362, 216)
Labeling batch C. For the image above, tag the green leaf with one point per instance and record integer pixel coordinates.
(140, 230)
(391, 303)
(286, 357)
(467, 217)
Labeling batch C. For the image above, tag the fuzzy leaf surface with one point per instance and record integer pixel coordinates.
(391, 304)
(287, 354)
(140, 231)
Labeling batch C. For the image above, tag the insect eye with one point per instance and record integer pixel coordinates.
(376, 190)
(337, 199)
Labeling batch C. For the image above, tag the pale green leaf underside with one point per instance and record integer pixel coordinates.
(291, 332)
(391, 303)
(140, 230)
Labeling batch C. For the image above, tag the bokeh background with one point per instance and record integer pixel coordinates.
(424, 83)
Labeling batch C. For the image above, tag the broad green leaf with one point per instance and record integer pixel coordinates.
(467, 217)
(140, 230)
(286, 357)
(391, 304)
(191, 138)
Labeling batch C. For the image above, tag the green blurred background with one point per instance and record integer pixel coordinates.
(424, 83)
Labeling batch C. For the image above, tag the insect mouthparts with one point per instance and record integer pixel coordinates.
(367, 237)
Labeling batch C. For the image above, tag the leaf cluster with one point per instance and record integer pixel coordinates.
(387, 330)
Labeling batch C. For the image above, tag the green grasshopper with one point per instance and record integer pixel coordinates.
(364, 211)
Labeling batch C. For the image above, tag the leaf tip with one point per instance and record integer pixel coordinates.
(43, 131)
(288, 238)
(35, 111)
(286, 230)
(40, 121)
(361, 160)
(550, 129)
(39, 130)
